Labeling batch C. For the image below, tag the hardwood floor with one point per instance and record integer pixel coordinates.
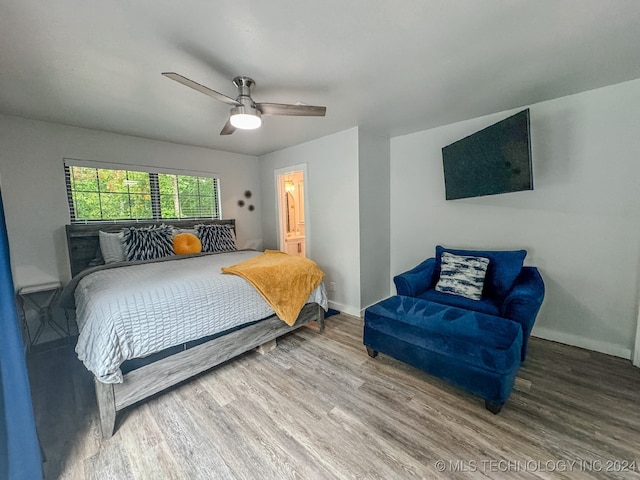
(317, 407)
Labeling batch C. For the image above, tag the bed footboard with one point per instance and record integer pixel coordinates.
(155, 377)
(106, 399)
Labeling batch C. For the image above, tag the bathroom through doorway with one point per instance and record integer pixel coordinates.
(290, 194)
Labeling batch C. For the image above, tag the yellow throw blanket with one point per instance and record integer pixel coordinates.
(283, 280)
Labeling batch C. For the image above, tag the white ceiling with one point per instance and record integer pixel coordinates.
(394, 66)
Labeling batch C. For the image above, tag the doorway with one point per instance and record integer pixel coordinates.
(292, 219)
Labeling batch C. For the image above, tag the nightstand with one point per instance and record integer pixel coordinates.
(38, 292)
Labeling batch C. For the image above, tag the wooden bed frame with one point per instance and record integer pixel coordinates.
(139, 384)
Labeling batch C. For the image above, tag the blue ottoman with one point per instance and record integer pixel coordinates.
(475, 351)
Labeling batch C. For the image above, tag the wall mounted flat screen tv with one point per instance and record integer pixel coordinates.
(494, 160)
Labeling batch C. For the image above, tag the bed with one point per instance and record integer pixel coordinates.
(147, 325)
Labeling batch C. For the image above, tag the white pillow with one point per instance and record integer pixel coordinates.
(177, 231)
(462, 275)
(111, 247)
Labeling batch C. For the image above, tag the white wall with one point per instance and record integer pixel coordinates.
(331, 215)
(31, 166)
(375, 239)
(581, 224)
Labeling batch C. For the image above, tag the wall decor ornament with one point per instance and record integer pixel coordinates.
(242, 203)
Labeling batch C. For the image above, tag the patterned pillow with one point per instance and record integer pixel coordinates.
(462, 275)
(504, 267)
(111, 247)
(216, 238)
(147, 243)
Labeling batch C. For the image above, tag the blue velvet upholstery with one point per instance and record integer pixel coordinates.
(474, 351)
(523, 302)
(417, 280)
(477, 345)
(484, 305)
(520, 302)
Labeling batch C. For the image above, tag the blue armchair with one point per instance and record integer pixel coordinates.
(510, 291)
(471, 331)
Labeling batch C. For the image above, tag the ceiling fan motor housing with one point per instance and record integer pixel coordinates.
(249, 109)
(247, 115)
(244, 85)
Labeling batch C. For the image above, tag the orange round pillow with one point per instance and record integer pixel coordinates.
(184, 243)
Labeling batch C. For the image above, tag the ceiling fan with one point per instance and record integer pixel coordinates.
(245, 113)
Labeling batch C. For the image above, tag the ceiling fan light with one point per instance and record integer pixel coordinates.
(245, 118)
(246, 121)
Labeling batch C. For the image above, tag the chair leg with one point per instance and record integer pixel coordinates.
(493, 407)
(372, 353)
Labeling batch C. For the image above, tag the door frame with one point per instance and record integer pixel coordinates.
(278, 174)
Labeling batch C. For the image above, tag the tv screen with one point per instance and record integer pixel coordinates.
(494, 160)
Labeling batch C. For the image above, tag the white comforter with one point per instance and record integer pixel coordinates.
(134, 311)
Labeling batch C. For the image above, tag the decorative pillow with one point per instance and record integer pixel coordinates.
(462, 275)
(504, 267)
(184, 243)
(111, 247)
(216, 238)
(147, 243)
(192, 231)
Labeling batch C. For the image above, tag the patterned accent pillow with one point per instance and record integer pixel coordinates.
(504, 268)
(111, 247)
(216, 238)
(147, 243)
(462, 275)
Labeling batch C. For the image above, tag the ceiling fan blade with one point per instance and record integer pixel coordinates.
(228, 129)
(202, 89)
(295, 110)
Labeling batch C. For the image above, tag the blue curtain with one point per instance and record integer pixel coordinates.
(19, 448)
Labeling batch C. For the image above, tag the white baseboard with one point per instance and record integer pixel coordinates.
(582, 342)
(344, 308)
(636, 345)
(350, 310)
(364, 308)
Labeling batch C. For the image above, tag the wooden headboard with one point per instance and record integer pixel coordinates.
(83, 239)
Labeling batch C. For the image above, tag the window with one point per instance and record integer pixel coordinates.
(112, 194)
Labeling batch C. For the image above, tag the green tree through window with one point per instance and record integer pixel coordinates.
(108, 194)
